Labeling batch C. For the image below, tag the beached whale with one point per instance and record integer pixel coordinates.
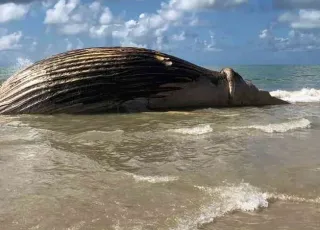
(123, 79)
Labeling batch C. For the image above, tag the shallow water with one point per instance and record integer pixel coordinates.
(237, 168)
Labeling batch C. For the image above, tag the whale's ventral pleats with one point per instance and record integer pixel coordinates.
(113, 79)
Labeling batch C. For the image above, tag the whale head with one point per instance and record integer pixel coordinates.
(244, 93)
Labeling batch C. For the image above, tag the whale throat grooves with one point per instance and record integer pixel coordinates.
(94, 80)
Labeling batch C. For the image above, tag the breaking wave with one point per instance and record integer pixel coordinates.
(153, 179)
(196, 130)
(229, 198)
(303, 95)
(96, 136)
(281, 127)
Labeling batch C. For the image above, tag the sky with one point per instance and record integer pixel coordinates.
(205, 32)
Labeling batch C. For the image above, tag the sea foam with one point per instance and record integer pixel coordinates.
(196, 130)
(224, 199)
(280, 127)
(96, 136)
(229, 198)
(153, 179)
(303, 95)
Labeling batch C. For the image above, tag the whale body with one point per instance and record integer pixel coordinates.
(123, 79)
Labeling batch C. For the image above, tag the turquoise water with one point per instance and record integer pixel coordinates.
(285, 77)
(5, 73)
(233, 168)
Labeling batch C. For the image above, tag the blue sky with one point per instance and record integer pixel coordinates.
(206, 32)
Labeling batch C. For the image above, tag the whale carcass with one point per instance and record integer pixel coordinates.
(123, 79)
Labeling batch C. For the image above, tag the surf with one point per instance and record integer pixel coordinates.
(303, 95)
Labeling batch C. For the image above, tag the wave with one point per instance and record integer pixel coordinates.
(96, 136)
(285, 197)
(230, 198)
(303, 95)
(153, 179)
(196, 130)
(281, 127)
(229, 115)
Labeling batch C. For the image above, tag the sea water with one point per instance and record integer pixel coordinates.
(232, 168)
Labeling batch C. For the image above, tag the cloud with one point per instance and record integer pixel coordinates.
(155, 30)
(148, 31)
(12, 11)
(70, 45)
(60, 12)
(106, 16)
(152, 30)
(294, 41)
(73, 29)
(205, 45)
(296, 4)
(179, 37)
(70, 17)
(10, 41)
(192, 5)
(305, 19)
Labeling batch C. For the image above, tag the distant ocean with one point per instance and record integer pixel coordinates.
(232, 168)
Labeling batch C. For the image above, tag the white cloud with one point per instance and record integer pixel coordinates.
(12, 11)
(95, 6)
(150, 30)
(179, 37)
(294, 41)
(60, 12)
(106, 16)
(71, 46)
(11, 41)
(205, 44)
(192, 5)
(132, 44)
(305, 19)
(211, 46)
(72, 29)
(264, 34)
(70, 17)
(99, 31)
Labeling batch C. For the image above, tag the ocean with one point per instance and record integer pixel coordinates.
(232, 168)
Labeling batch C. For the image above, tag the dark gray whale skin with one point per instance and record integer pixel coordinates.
(123, 79)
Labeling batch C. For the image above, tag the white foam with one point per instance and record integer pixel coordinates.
(224, 199)
(229, 115)
(229, 198)
(94, 136)
(153, 179)
(303, 95)
(281, 127)
(196, 130)
(285, 197)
